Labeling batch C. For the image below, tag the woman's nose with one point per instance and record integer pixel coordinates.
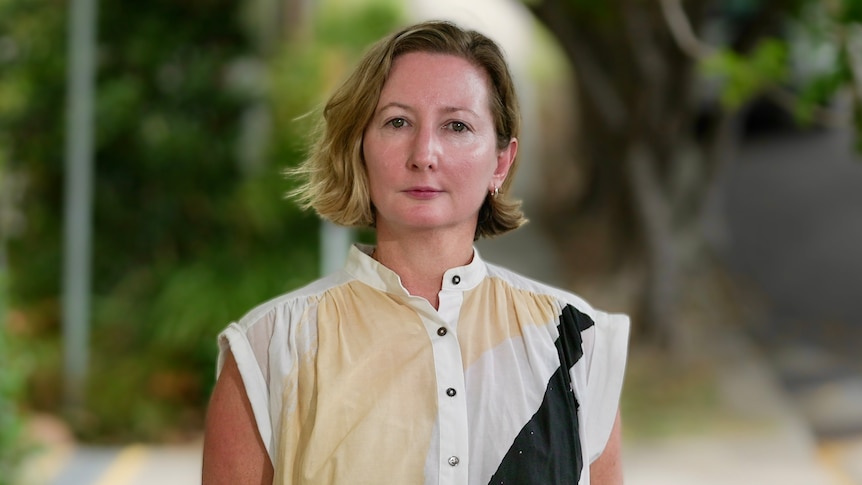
(426, 150)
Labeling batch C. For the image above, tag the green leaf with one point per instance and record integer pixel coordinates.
(745, 77)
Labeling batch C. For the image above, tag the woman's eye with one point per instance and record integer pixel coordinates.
(398, 123)
(457, 126)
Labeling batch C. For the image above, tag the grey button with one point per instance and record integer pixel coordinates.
(451, 392)
(453, 461)
(456, 279)
(441, 331)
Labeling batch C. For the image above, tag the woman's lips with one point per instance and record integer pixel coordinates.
(423, 193)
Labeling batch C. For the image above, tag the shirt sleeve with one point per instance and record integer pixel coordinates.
(605, 372)
(249, 350)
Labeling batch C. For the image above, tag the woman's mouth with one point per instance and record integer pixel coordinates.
(423, 193)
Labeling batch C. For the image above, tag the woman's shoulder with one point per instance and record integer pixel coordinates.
(292, 302)
(562, 296)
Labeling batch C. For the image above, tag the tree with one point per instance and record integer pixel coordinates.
(649, 143)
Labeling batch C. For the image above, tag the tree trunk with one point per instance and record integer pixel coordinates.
(635, 138)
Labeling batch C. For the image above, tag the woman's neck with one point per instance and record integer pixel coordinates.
(421, 260)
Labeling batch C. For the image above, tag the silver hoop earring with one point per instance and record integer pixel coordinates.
(496, 191)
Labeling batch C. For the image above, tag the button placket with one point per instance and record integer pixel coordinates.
(453, 440)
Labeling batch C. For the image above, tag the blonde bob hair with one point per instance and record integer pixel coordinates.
(334, 177)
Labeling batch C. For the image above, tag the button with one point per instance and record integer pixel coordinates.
(441, 331)
(453, 461)
(451, 392)
(456, 279)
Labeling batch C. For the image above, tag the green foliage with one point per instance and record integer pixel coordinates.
(188, 233)
(746, 76)
(352, 30)
(849, 11)
(303, 73)
(830, 31)
(811, 63)
(13, 448)
(818, 92)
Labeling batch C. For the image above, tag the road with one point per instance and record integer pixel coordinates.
(794, 211)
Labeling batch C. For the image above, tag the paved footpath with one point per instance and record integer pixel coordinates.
(757, 437)
(128, 465)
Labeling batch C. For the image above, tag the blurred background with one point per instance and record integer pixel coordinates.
(693, 163)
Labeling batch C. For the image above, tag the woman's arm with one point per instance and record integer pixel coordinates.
(234, 453)
(608, 467)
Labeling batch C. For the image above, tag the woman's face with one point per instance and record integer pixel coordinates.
(430, 147)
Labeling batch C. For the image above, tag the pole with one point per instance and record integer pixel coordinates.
(335, 242)
(78, 198)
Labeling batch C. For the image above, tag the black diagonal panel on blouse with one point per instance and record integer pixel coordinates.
(547, 451)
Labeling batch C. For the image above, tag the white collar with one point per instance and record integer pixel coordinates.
(363, 267)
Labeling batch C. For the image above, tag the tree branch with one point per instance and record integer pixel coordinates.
(648, 56)
(682, 32)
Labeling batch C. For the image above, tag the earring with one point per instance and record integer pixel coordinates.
(496, 191)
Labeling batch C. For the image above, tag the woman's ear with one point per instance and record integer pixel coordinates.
(505, 158)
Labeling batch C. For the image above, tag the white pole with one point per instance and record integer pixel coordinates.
(78, 198)
(335, 242)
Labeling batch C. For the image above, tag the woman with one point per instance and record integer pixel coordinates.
(419, 363)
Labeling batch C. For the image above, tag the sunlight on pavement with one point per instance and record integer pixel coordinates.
(134, 464)
(125, 466)
(46, 466)
(842, 458)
